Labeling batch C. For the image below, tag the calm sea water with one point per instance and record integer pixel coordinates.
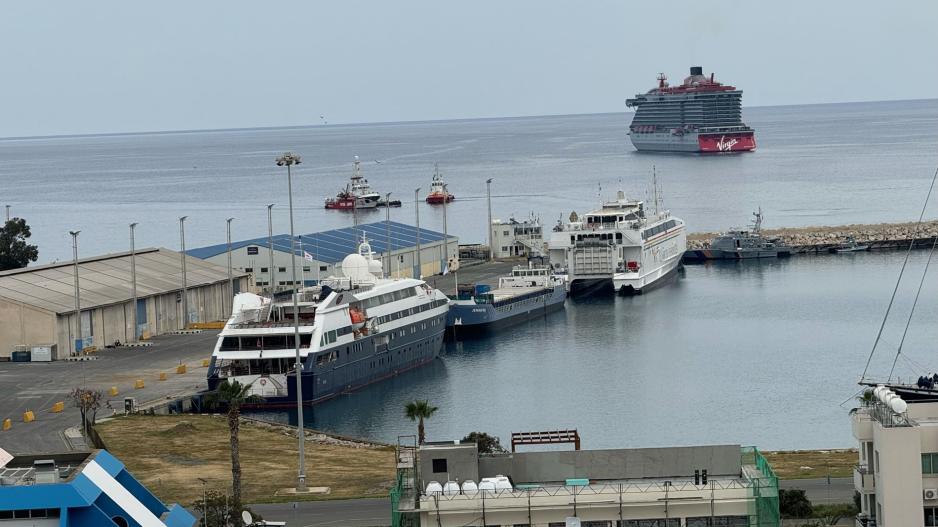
(761, 353)
(825, 164)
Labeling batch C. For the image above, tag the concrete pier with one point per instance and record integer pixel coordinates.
(822, 239)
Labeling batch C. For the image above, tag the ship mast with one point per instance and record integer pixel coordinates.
(654, 184)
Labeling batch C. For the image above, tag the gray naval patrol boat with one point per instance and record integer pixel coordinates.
(526, 293)
(741, 244)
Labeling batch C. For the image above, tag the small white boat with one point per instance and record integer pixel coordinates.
(850, 246)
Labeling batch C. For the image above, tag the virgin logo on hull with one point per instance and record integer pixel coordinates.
(725, 146)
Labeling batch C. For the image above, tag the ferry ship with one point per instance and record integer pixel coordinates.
(526, 293)
(358, 194)
(700, 115)
(439, 194)
(622, 243)
(354, 330)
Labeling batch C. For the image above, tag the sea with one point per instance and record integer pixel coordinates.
(763, 353)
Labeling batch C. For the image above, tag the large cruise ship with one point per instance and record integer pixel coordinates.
(623, 243)
(699, 115)
(354, 330)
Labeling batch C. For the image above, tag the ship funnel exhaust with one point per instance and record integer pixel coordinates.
(696, 70)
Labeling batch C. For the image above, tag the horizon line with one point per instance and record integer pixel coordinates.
(385, 123)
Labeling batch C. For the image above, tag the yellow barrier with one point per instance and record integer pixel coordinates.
(181, 369)
(219, 324)
(138, 384)
(89, 350)
(205, 363)
(163, 376)
(113, 391)
(29, 416)
(58, 407)
(7, 424)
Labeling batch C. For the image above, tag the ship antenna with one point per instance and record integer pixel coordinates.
(654, 184)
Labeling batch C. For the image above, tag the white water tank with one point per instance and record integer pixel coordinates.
(469, 487)
(434, 488)
(487, 485)
(898, 405)
(451, 488)
(499, 483)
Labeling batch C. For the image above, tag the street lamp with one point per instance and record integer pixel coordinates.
(387, 226)
(77, 296)
(182, 258)
(133, 279)
(488, 196)
(289, 159)
(417, 212)
(270, 248)
(230, 278)
(445, 250)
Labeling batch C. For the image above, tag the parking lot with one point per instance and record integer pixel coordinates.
(37, 386)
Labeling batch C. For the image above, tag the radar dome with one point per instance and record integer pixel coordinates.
(376, 268)
(355, 267)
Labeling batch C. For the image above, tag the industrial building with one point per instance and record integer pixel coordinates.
(897, 470)
(327, 249)
(517, 238)
(79, 489)
(451, 484)
(37, 304)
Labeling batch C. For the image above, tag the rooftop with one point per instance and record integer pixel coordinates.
(332, 246)
(41, 468)
(106, 279)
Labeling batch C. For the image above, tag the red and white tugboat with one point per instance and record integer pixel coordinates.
(438, 193)
(358, 194)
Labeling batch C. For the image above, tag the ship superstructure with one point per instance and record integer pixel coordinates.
(354, 330)
(622, 243)
(699, 115)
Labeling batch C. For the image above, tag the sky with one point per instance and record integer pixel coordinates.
(117, 66)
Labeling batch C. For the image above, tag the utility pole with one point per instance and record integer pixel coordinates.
(230, 275)
(417, 212)
(182, 257)
(488, 196)
(387, 226)
(77, 295)
(445, 231)
(8, 212)
(289, 159)
(270, 248)
(133, 280)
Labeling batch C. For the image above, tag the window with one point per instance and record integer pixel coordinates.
(263, 269)
(930, 463)
(248, 269)
(876, 461)
(323, 268)
(281, 269)
(718, 521)
(305, 268)
(931, 516)
(657, 522)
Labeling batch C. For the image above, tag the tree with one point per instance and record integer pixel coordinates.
(87, 401)
(418, 411)
(487, 444)
(14, 251)
(866, 398)
(233, 394)
(219, 512)
(794, 503)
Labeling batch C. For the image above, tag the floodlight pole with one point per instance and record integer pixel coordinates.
(133, 279)
(488, 196)
(77, 295)
(182, 258)
(270, 248)
(417, 213)
(387, 226)
(289, 159)
(230, 274)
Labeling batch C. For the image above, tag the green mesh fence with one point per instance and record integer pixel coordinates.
(763, 508)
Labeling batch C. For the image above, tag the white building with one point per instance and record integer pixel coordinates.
(452, 485)
(517, 238)
(897, 473)
(328, 248)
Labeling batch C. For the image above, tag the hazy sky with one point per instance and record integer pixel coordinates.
(120, 66)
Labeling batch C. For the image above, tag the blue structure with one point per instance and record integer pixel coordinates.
(79, 490)
(330, 247)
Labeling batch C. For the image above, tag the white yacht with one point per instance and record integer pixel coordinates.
(354, 330)
(622, 243)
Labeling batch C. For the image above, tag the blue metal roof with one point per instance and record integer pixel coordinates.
(332, 246)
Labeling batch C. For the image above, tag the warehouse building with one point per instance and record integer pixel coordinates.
(37, 304)
(327, 249)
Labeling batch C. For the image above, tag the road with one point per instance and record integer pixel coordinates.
(37, 386)
(377, 512)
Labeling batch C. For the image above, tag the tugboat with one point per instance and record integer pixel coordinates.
(358, 194)
(438, 192)
(741, 244)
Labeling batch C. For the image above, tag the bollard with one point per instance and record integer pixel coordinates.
(58, 407)
(205, 363)
(181, 369)
(138, 384)
(162, 376)
(7, 424)
(113, 391)
(29, 416)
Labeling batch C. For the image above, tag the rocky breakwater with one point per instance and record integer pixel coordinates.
(883, 235)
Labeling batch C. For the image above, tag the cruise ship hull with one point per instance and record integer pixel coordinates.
(355, 366)
(693, 142)
(467, 317)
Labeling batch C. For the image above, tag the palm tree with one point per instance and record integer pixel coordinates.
(233, 394)
(418, 411)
